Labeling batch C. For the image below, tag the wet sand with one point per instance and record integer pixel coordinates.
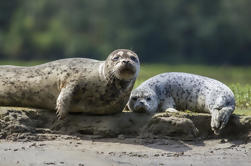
(125, 152)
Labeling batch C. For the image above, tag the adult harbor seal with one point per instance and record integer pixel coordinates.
(181, 91)
(74, 84)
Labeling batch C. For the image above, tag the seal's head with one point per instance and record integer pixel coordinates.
(123, 64)
(143, 100)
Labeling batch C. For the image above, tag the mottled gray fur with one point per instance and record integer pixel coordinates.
(76, 84)
(183, 91)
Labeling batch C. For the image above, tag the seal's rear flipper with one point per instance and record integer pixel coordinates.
(220, 118)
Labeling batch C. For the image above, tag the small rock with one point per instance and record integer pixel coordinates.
(111, 153)
(156, 155)
(6, 119)
(41, 144)
(50, 163)
(121, 136)
(34, 144)
(7, 149)
(223, 141)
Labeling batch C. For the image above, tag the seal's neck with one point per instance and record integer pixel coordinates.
(124, 85)
(101, 71)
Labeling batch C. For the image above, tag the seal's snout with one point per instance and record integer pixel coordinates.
(126, 62)
(127, 68)
(140, 107)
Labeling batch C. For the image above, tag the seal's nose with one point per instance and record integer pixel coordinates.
(141, 102)
(125, 61)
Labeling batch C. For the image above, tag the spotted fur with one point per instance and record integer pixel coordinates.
(182, 91)
(75, 84)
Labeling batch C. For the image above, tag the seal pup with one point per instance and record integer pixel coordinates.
(72, 85)
(180, 91)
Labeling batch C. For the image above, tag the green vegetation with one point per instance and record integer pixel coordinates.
(174, 31)
(242, 96)
(226, 74)
(237, 78)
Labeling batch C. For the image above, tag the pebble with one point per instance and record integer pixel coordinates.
(223, 140)
(121, 136)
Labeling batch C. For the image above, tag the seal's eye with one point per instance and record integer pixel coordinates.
(115, 58)
(133, 58)
(148, 98)
(134, 98)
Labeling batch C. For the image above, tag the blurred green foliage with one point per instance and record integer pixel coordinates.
(242, 96)
(226, 74)
(180, 31)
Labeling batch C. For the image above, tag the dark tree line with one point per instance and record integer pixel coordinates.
(180, 31)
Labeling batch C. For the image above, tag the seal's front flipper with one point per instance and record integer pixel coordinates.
(171, 110)
(168, 105)
(64, 100)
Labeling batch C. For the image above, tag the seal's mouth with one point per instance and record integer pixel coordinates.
(127, 71)
(140, 110)
(128, 68)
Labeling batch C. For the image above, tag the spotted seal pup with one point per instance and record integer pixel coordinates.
(74, 84)
(180, 91)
